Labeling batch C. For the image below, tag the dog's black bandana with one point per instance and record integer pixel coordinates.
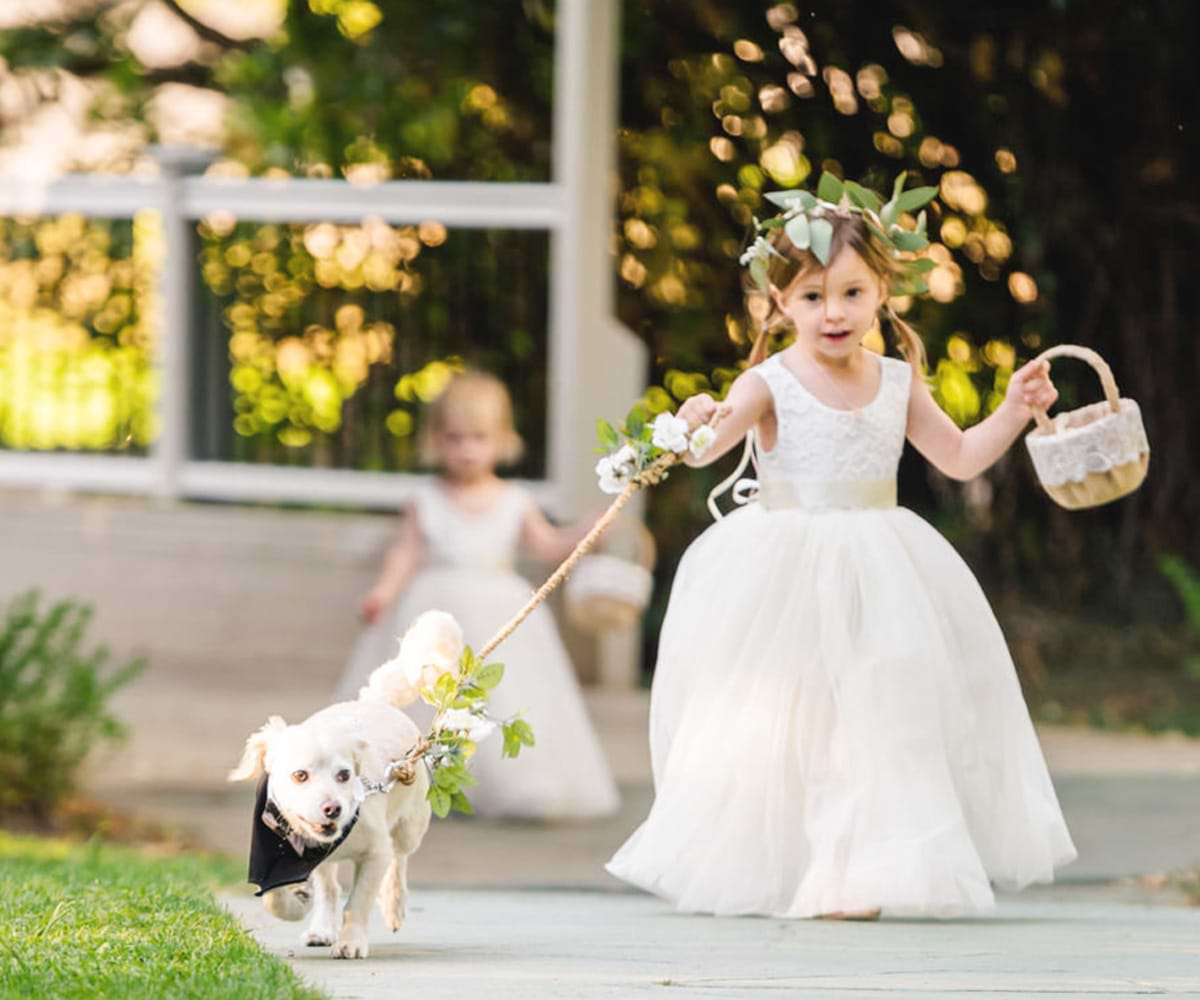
(278, 855)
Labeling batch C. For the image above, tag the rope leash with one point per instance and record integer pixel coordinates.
(404, 770)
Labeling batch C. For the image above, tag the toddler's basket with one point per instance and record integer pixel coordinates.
(1092, 455)
(608, 593)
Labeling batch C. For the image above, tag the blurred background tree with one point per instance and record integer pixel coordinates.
(1057, 131)
(312, 87)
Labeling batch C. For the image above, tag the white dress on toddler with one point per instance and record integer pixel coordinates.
(836, 723)
(469, 572)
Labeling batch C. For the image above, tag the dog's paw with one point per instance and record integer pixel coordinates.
(393, 916)
(352, 944)
(317, 938)
(393, 898)
(290, 902)
(393, 904)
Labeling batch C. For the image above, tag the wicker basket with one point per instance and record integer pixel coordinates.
(1092, 455)
(608, 593)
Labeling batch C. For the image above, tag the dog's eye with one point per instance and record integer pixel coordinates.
(300, 777)
(343, 776)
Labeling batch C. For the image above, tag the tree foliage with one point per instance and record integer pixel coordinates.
(1057, 134)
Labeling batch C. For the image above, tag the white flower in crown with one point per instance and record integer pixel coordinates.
(462, 720)
(670, 433)
(761, 247)
(702, 439)
(617, 469)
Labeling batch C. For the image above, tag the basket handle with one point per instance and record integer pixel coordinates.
(1109, 383)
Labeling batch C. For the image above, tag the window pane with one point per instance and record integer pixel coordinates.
(317, 345)
(77, 301)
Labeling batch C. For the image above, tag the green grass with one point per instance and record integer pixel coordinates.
(97, 920)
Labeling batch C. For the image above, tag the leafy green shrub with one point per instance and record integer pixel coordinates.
(1187, 585)
(53, 702)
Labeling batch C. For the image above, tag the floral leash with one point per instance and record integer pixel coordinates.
(456, 680)
(434, 664)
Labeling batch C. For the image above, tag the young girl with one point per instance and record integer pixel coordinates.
(455, 553)
(836, 725)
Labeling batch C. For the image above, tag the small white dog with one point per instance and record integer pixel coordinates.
(314, 808)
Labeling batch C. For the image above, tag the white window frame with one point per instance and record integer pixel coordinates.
(583, 338)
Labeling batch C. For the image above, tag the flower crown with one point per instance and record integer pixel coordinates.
(805, 221)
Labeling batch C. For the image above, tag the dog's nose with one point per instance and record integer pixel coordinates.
(331, 810)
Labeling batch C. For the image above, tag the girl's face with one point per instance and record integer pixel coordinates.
(468, 445)
(834, 308)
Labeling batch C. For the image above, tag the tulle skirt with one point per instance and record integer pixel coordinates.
(565, 776)
(836, 725)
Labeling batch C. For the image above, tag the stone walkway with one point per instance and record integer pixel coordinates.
(520, 945)
(526, 910)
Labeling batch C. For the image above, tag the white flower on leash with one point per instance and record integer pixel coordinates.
(625, 459)
(702, 439)
(617, 469)
(473, 727)
(610, 480)
(670, 433)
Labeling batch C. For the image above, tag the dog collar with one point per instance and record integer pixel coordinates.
(279, 855)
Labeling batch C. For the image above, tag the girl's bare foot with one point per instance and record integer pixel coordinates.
(851, 915)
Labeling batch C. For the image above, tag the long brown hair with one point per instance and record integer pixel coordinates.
(792, 264)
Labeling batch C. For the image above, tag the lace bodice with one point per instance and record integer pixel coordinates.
(824, 458)
(816, 442)
(461, 539)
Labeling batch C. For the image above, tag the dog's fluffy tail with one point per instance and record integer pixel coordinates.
(390, 685)
(431, 646)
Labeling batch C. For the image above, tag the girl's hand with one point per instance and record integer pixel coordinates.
(1030, 388)
(373, 604)
(702, 409)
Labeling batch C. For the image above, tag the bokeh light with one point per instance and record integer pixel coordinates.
(78, 299)
(1022, 287)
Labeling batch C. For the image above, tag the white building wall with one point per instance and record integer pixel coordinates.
(137, 561)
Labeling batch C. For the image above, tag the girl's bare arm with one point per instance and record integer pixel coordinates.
(548, 542)
(747, 402)
(965, 454)
(401, 562)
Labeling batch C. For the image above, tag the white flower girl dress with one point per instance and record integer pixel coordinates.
(836, 724)
(468, 572)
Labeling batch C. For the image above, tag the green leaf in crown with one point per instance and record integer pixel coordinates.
(804, 217)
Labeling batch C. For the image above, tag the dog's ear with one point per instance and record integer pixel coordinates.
(251, 764)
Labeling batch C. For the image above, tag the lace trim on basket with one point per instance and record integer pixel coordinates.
(1073, 453)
